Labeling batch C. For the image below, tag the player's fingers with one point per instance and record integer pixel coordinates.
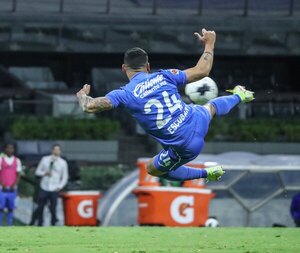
(79, 93)
(203, 31)
(88, 89)
(198, 36)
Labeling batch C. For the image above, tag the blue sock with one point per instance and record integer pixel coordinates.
(1, 217)
(224, 104)
(9, 218)
(183, 173)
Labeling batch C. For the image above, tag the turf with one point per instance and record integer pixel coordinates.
(148, 239)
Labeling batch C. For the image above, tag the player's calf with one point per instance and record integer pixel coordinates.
(152, 170)
(169, 164)
(183, 172)
(223, 105)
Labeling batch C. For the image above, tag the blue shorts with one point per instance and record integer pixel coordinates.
(172, 157)
(7, 199)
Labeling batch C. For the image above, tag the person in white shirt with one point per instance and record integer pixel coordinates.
(53, 171)
(10, 168)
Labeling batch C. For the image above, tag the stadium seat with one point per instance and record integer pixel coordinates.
(107, 79)
(89, 6)
(94, 151)
(27, 148)
(37, 78)
(34, 85)
(28, 151)
(45, 147)
(269, 5)
(37, 6)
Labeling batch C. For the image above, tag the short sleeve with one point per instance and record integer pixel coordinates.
(117, 97)
(19, 167)
(176, 75)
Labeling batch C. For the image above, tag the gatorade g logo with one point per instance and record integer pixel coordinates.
(182, 210)
(85, 209)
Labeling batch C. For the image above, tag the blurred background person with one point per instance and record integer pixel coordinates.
(295, 209)
(35, 198)
(53, 171)
(10, 168)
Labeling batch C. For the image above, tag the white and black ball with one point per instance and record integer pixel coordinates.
(212, 223)
(200, 92)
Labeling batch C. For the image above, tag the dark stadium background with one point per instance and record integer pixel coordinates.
(258, 45)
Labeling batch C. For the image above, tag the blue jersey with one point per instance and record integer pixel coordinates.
(154, 101)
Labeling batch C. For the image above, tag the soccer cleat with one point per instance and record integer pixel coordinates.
(214, 173)
(245, 95)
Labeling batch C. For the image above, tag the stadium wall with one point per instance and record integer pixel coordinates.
(237, 35)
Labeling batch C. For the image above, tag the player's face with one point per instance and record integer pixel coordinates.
(9, 150)
(56, 151)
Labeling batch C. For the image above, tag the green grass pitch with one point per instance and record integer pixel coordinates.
(148, 239)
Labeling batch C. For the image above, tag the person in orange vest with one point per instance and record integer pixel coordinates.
(10, 168)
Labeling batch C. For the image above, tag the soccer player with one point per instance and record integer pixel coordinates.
(10, 168)
(154, 101)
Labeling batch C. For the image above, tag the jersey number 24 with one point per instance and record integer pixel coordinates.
(172, 106)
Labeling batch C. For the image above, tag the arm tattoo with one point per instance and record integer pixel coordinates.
(206, 55)
(100, 104)
(89, 104)
(83, 101)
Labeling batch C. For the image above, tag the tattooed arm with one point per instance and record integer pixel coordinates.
(204, 64)
(89, 104)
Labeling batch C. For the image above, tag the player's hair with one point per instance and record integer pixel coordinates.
(8, 144)
(135, 58)
(56, 145)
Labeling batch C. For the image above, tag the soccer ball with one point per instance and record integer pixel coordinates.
(200, 92)
(212, 223)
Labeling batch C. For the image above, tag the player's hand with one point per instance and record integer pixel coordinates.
(207, 37)
(83, 97)
(47, 174)
(84, 91)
